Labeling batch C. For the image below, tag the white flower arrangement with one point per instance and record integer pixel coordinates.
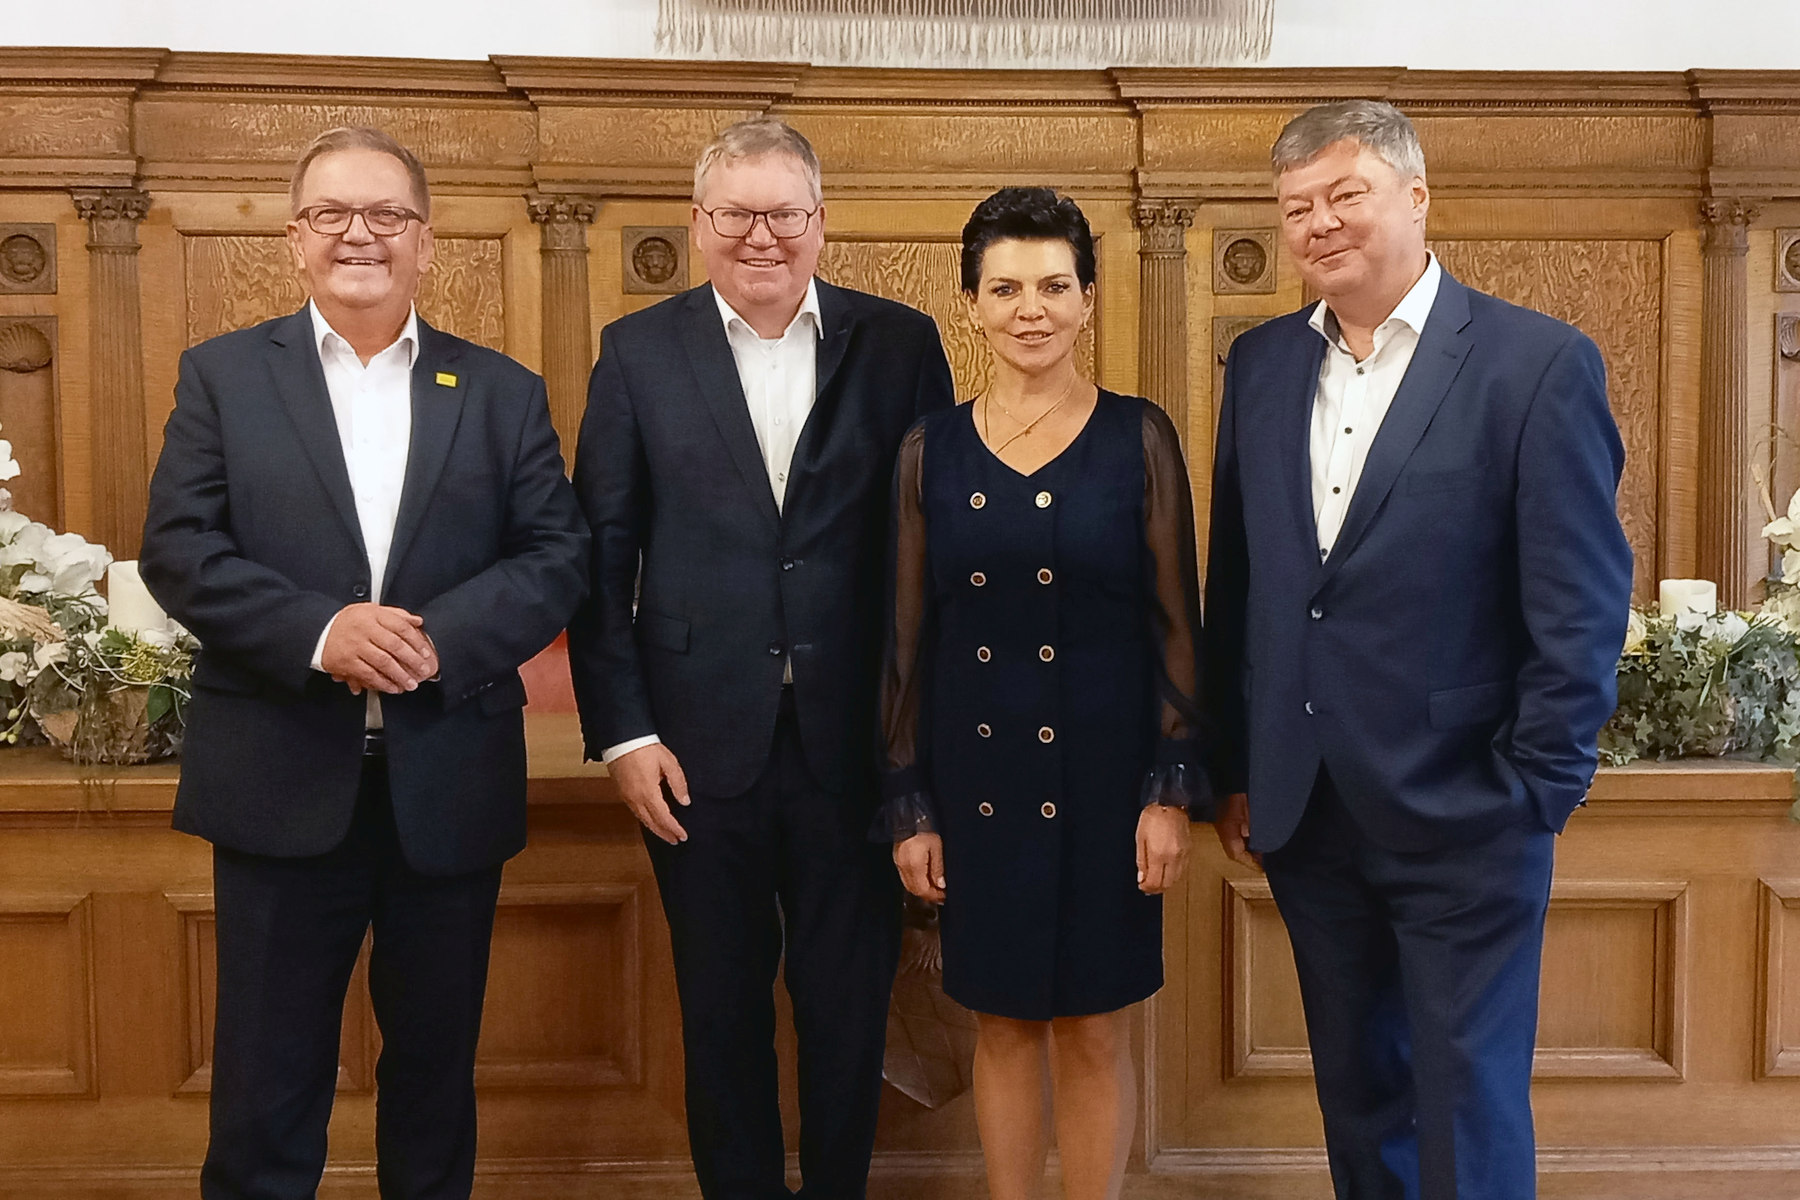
(1726, 683)
(102, 693)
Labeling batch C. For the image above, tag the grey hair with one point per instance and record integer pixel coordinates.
(754, 138)
(1374, 124)
(361, 137)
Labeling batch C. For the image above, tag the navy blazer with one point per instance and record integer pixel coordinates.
(253, 543)
(701, 587)
(1452, 661)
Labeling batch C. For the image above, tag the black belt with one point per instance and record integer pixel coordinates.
(375, 743)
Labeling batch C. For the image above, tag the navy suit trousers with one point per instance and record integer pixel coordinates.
(1419, 977)
(289, 932)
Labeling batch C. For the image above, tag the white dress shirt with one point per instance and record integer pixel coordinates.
(373, 408)
(1354, 397)
(779, 377)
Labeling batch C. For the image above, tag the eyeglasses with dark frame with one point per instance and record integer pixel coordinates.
(783, 223)
(382, 220)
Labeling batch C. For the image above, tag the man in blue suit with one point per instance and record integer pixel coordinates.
(1416, 595)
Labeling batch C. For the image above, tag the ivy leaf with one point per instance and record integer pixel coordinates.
(161, 700)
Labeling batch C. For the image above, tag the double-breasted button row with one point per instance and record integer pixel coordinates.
(979, 500)
(987, 810)
(979, 578)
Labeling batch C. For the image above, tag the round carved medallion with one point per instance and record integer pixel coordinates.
(22, 259)
(1244, 261)
(655, 260)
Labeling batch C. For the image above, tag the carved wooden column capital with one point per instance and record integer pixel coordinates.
(1727, 224)
(1730, 551)
(568, 340)
(119, 448)
(1162, 304)
(112, 215)
(563, 220)
(1163, 225)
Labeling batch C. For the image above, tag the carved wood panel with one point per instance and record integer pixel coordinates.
(1613, 994)
(234, 281)
(1612, 291)
(46, 996)
(564, 984)
(1265, 1028)
(1778, 968)
(926, 274)
(358, 1044)
(1614, 981)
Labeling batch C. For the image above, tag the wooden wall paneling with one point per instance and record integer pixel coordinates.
(1614, 990)
(565, 988)
(47, 993)
(1778, 978)
(1266, 1028)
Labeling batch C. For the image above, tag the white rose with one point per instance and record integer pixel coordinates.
(9, 468)
(13, 666)
(1636, 630)
(10, 524)
(1689, 621)
(33, 581)
(158, 639)
(1790, 567)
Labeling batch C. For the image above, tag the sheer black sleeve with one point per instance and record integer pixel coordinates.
(907, 805)
(1178, 778)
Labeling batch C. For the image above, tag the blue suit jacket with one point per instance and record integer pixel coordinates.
(1453, 660)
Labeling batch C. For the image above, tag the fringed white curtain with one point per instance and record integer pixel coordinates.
(965, 33)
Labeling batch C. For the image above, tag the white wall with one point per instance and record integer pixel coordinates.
(1649, 35)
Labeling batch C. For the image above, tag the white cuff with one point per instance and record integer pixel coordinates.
(623, 748)
(318, 658)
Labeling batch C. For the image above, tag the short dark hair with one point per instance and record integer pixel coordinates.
(1026, 214)
(361, 137)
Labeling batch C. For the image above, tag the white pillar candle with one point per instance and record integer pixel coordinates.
(128, 601)
(1679, 596)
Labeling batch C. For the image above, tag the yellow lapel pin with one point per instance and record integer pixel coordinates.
(446, 379)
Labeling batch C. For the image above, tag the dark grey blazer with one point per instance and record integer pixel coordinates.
(252, 542)
(670, 475)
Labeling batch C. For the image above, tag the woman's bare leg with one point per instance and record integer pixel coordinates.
(1096, 1102)
(1012, 1101)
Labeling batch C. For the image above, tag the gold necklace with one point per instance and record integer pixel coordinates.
(1025, 427)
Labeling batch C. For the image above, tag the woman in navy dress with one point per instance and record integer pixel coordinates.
(1040, 718)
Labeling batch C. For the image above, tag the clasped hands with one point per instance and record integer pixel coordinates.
(1162, 851)
(378, 648)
